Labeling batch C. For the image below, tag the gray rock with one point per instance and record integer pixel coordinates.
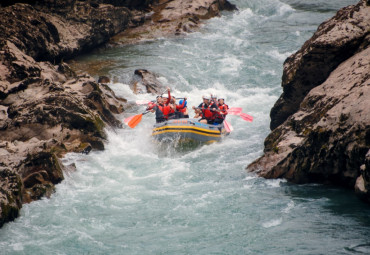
(327, 137)
(335, 40)
(145, 81)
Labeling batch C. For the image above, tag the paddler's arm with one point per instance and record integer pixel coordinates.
(169, 96)
(151, 106)
(225, 111)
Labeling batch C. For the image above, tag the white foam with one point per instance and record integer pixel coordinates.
(248, 178)
(279, 56)
(275, 183)
(18, 247)
(285, 9)
(230, 64)
(124, 90)
(272, 223)
(269, 72)
(289, 207)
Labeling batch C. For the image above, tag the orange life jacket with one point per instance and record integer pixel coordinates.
(223, 108)
(222, 111)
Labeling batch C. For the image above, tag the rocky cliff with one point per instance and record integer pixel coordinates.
(46, 110)
(321, 123)
(51, 36)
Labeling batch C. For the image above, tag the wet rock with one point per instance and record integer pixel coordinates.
(362, 186)
(10, 195)
(103, 79)
(327, 137)
(145, 81)
(42, 119)
(41, 172)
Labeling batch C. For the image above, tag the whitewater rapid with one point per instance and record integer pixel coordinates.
(132, 198)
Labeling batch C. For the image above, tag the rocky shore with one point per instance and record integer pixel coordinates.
(321, 123)
(168, 18)
(46, 110)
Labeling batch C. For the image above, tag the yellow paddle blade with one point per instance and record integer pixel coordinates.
(135, 120)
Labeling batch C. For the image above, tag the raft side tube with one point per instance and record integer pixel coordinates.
(188, 129)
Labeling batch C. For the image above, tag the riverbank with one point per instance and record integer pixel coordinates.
(171, 18)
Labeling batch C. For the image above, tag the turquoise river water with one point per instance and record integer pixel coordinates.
(138, 198)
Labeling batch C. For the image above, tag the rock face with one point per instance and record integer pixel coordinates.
(335, 41)
(42, 117)
(169, 18)
(321, 122)
(46, 110)
(50, 36)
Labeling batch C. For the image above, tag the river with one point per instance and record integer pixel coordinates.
(137, 198)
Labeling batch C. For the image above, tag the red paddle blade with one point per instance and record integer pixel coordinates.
(246, 117)
(234, 110)
(135, 120)
(127, 120)
(228, 126)
(237, 109)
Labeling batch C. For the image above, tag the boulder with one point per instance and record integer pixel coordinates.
(40, 172)
(145, 81)
(103, 79)
(326, 139)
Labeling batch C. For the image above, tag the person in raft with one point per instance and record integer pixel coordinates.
(183, 108)
(165, 101)
(214, 99)
(222, 111)
(207, 111)
(178, 112)
(162, 109)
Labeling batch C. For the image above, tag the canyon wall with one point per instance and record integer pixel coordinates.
(321, 122)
